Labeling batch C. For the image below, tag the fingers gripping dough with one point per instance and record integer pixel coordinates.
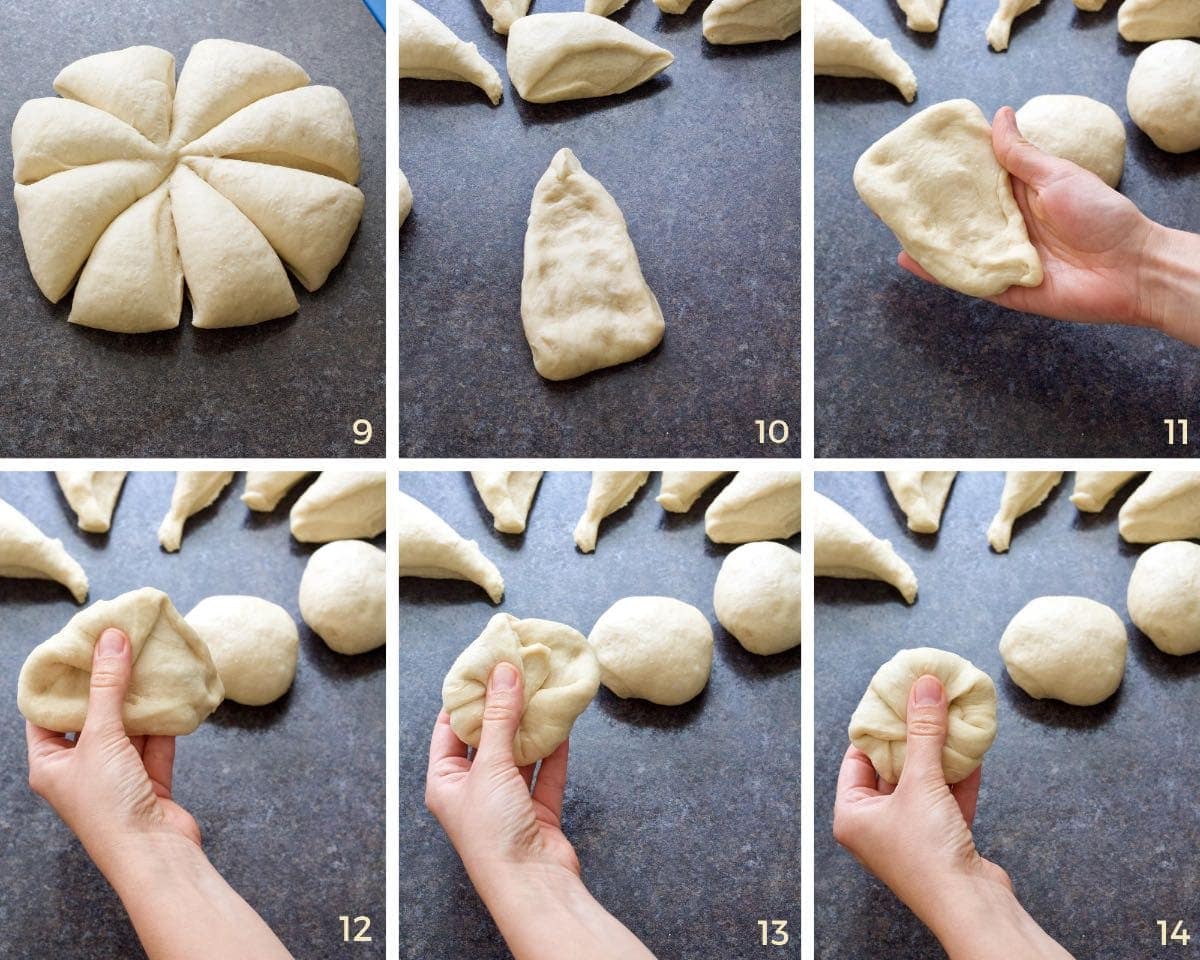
(921, 495)
(1163, 94)
(680, 489)
(92, 494)
(843, 47)
(1165, 507)
(429, 50)
(1093, 489)
(265, 488)
(923, 15)
(756, 505)
(1024, 490)
(507, 495)
(430, 547)
(343, 596)
(253, 643)
(843, 547)
(504, 12)
(751, 21)
(194, 490)
(1164, 596)
(609, 492)
(879, 725)
(1143, 21)
(1000, 28)
(560, 677)
(1085, 131)
(135, 85)
(341, 505)
(27, 553)
(757, 597)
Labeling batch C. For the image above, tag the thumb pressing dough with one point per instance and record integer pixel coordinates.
(1085, 131)
(1163, 94)
(253, 643)
(560, 677)
(430, 50)
(843, 47)
(429, 547)
(1093, 489)
(1024, 490)
(174, 684)
(92, 494)
(609, 492)
(584, 302)
(755, 505)
(680, 489)
(923, 15)
(1066, 648)
(1147, 20)
(343, 596)
(751, 21)
(843, 547)
(28, 554)
(757, 597)
(265, 488)
(1165, 507)
(342, 505)
(921, 495)
(504, 12)
(653, 648)
(936, 182)
(194, 490)
(879, 726)
(507, 495)
(1000, 28)
(1164, 596)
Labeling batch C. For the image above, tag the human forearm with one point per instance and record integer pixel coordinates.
(983, 920)
(1170, 284)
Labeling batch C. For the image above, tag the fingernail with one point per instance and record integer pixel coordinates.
(112, 642)
(504, 676)
(928, 691)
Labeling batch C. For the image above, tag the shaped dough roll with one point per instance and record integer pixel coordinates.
(843, 547)
(1000, 28)
(254, 645)
(757, 597)
(194, 490)
(609, 492)
(342, 505)
(343, 596)
(1024, 490)
(1093, 489)
(92, 494)
(507, 495)
(504, 12)
(430, 547)
(584, 302)
(936, 182)
(429, 50)
(50, 135)
(265, 488)
(653, 648)
(174, 684)
(1165, 507)
(1163, 94)
(680, 489)
(756, 505)
(28, 554)
(751, 21)
(921, 495)
(569, 56)
(843, 47)
(1085, 131)
(1143, 21)
(923, 15)
(135, 85)
(406, 198)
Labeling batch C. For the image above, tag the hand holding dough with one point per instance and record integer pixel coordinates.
(755, 505)
(843, 547)
(757, 597)
(1164, 596)
(1024, 490)
(609, 492)
(751, 21)
(1094, 488)
(1000, 28)
(194, 490)
(265, 488)
(921, 495)
(430, 50)
(508, 495)
(1165, 507)
(429, 547)
(843, 47)
(341, 505)
(253, 643)
(679, 489)
(92, 494)
(27, 553)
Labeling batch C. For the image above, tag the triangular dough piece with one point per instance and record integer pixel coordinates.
(136, 85)
(924, 15)
(309, 219)
(62, 217)
(50, 135)
(507, 495)
(172, 688)
(504, 12)
(680, 489)
(610, 491)
(341, 505)
(265, 488)
(430, 50)
(1165, 507)
(92, 494)
(234, 277)
(584, 302)
(430, 547)
(1000, 28)
(843, 47)
(309, 128)
(921, 495)
(751, 21)
(843, 547)
(756, 505)
(1149, 20)
(133, 280)
(194, 490)
(936, 182)
(1024, 490)
(1094, 488)
(603, 8)
(406, 198)
(28, 554)
(220, 77)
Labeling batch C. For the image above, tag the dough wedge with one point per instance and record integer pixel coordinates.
(92, 494)
(429, 547)
(508, 495)
(1024, 490)
(609, 492)
(28, 554)
(1165, 507)
(194, 490)
(843, 547)
(430, 50)
(921, 495)
(843, 47)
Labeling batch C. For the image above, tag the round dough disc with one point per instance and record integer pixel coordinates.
(1163, 94)
(342, 596)
(757, 597)
(1164, 596)
(254, 644)
(1080, 129)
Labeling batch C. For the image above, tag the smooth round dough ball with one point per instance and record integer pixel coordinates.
(757, 597)
(1164, 596)
(253, 642)
(1079, 129)
(1066, 648)
(343, 596)
(1164, 94)
(653, 648)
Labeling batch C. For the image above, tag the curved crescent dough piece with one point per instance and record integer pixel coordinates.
(507, 495)
(751, 21)
(504, 12)
(1000, 28)
(1149, 20)
(430, 50)
(1093, 489)
(174, 684)
(194, 490)
(936, 182)
(343, 505)
(1085, 131)
(924, 15)
(843, 47)
(50, 135)
(92, 494)
(265, 488)
(406, 198)
(679, 490)
(1165, 507)
(570, 56)
(755, 505)
(843, 547)
(136, 85)
(343, 596)
(1024, 490)
(28, 554)
(430, 547)
(610, 491)
(921, 495)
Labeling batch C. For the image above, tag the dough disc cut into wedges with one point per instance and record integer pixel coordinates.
(430, 50)
(584, 302)
(429, 547)
(50, 135)
(751, 21)
(1144, 21)
(936, 183)
(135, 85)
(843, 547)
(923, 15)
(843, 47)
(28, 554)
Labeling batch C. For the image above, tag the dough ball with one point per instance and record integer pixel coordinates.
(654, 648)
(1164, 596)
(1066, 648)
(254, 644)
(1164, 94)
(1080, 129)
(879, 727)
(757, 597)
(342, 596)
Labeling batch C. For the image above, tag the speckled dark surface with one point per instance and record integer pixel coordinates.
(704, 162)
(686, 819)
(291, 387)
(1091, 810)
(289, 797)
(904, 368)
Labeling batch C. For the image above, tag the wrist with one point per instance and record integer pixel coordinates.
(980, 918)
(152, 860)
(1169, 283)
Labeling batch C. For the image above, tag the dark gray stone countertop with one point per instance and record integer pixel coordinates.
(1091, 810)
(908, 369)
(289, 797)
(704, 162)
(685, 819)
